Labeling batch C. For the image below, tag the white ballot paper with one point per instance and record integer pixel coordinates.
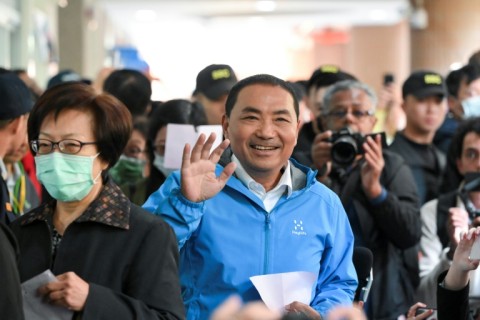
(280, 289)
(180, 134)
(35, 307)
(475, 251)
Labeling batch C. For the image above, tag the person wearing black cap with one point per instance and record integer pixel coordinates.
(319, 81)
(424, 102)
(213, 85)
(15, 104)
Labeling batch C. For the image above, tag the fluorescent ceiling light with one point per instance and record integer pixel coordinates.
(265, 5)
(145, 15)
(378, 15)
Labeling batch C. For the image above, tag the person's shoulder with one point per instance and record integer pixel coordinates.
(320, 192)
(392, 158)
(142, 219)
(37, 213)
(429, 206)
(399, 144)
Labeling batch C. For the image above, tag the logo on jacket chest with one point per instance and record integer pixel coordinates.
(298, 228)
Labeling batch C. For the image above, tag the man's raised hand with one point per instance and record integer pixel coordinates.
(198, 179)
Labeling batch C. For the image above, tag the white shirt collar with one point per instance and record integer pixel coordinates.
(285, 182)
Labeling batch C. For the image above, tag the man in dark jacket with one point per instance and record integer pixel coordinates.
(378, 192)
(10, 294)
(424, 102)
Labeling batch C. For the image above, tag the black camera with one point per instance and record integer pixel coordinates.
(346, 145)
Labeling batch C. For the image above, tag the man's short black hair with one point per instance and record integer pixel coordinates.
(467, 73)
(259, 79)
(465, 127)
(131, 87)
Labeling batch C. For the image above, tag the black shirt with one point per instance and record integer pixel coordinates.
(426, 162)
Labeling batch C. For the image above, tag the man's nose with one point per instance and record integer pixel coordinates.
(266, 129)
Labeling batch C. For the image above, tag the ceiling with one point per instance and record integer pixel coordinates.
(319, 12)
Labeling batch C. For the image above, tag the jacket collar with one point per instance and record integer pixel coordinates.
(111, 208)
(301, 175)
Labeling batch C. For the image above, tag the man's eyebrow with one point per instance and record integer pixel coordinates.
(257, 111)
(251, 110)
(282, 112)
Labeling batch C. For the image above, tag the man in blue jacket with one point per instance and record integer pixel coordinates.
(249, 209)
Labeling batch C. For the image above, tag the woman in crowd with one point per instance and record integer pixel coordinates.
(112, 259)
(132, 165)
(178, 111)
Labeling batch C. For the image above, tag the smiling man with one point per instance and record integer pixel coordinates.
(247, 209)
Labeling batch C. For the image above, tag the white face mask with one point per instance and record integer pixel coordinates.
(158, 162)
(471, 107)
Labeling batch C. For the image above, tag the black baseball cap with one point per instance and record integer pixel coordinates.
(423, 84)
(215, 80)
(15, 97)
(326, 75)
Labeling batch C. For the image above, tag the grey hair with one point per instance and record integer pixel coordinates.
(347, 85)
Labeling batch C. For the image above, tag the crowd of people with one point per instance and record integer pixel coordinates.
(304, 175)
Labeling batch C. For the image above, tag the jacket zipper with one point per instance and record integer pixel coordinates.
(267, 243)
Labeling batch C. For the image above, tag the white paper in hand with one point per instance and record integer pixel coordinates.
(475, 253)
(180, 134)
(35, 307)
(280, 289)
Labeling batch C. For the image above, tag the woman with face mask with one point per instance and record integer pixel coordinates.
(178, 111)
(99, 245)
(132, 167)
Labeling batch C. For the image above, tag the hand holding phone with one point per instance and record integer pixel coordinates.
(388, 78)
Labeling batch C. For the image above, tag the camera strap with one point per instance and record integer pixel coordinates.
(345, 183)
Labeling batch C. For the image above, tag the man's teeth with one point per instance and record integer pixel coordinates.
(263, 148)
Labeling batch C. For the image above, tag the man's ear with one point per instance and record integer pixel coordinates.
(225, 125)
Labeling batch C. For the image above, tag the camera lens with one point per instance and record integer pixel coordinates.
(344, 150)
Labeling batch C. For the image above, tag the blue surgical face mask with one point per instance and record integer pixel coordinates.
(471, 107)
(66, 177)
(158, 162)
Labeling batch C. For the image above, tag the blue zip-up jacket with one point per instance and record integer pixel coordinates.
(229, 238)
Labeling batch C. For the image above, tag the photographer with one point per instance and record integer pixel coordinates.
(378, 192)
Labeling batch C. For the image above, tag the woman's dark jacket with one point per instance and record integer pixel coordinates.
(128, 256)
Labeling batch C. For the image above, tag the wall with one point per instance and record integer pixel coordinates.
(451, 36)
(370, 52)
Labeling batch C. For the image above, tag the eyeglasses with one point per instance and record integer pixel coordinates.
(357, 114)
(67, 146)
